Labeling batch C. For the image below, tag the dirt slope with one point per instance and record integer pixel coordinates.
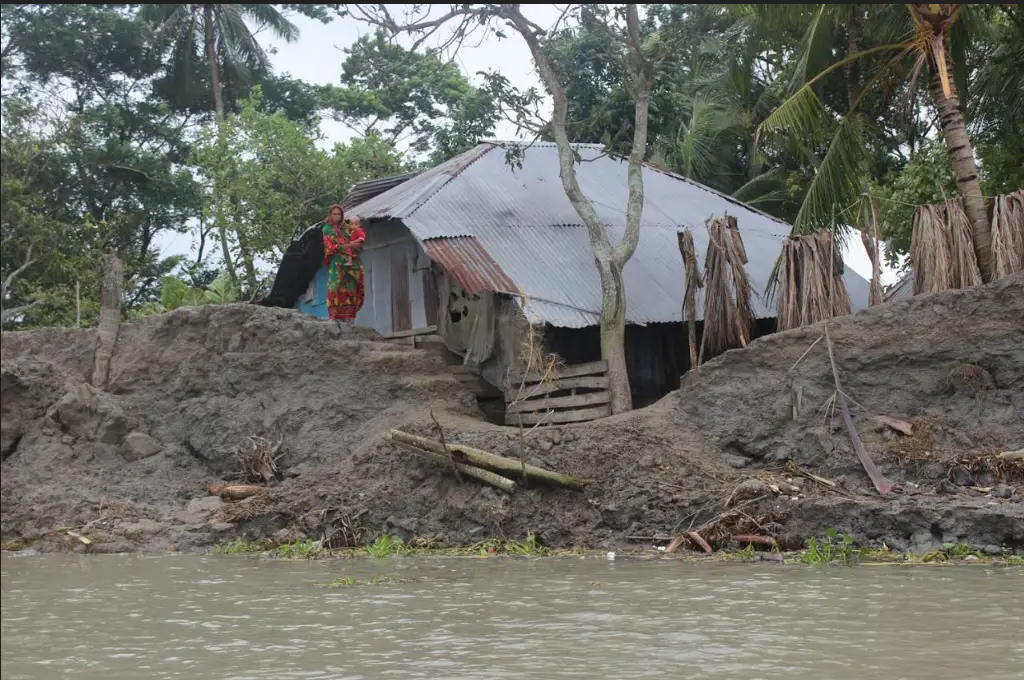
(130, 465)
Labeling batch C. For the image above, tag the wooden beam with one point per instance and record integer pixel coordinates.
(572, 401)
(578, 416)
(405, 334)
(530, 391)
(591, 368)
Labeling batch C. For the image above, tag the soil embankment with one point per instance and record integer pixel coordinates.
(129, 466)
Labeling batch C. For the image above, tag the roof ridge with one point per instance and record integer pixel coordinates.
(423, 200)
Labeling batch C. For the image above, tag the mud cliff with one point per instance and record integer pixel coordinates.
(129, 466)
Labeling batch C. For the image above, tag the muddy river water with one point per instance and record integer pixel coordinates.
(235, 618)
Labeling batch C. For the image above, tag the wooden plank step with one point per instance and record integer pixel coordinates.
(572, 401)
(576, 416)
(539, 389)
(592, 368)
(426, 330)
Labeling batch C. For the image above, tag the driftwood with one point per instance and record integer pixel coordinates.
(485, 476)
(477, 457)
(693, 536)
(1011, 455)
(110, 319)
(235, 492)
(766, 541)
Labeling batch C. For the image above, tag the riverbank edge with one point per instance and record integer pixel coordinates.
(833, 549)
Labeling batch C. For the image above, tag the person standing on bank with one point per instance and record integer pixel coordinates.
(343, 243)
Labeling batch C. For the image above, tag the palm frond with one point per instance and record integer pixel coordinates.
(267, 15)
(816, 45)
(768, 187)
(802, 115)
(837, 181)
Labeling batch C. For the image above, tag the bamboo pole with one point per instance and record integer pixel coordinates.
(486, 460)
(485, 476)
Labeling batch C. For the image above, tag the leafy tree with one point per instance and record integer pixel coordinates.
(91, 162)
(402, 95)
(282, 180)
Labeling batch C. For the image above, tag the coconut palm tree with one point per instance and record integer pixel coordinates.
(221, 34)
(838, 181)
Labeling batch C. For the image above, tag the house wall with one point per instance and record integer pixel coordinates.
(399, 284)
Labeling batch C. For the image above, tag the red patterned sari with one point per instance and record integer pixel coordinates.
(345, 281)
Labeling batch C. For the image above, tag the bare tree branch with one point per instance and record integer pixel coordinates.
(6, 314)
(29, 261)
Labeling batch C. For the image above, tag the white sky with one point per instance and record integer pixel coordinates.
(317, 55)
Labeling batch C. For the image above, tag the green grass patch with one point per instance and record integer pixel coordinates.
(240, 546)
(834, 547)
(303, 549)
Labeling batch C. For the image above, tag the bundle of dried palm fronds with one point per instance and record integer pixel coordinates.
(1008, 234)
(942, 248)
(692, 283)
(811, 286)
(728, 316)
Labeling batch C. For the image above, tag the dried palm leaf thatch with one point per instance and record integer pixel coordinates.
(942, 248)
(1008, 234)
(811, 286)
(692, 283)
(728, 315)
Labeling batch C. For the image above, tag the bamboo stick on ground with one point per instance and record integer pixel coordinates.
(485, 459)
(485, 476)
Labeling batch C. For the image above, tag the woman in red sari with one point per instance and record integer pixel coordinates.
(343, 242)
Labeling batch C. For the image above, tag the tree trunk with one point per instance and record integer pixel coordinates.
(961, 156)
(613, 334)
(248, 261)
(218, 102)
(110, 319)
(211, 55)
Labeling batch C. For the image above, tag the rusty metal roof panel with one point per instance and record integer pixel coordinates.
(464, 258)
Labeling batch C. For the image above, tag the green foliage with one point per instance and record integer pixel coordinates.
(270, 178)
(834, 547)
(926, 179)
(306, 549)
(175, 293)
(391, 92)
(240, 546)
(386, 546)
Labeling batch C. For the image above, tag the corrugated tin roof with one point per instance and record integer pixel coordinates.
(525, 223)
(902, 289)
(464, 258)
(364, 191)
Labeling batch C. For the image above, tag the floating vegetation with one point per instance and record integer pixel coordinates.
(352, 581)
(834, 547)
(240, 546)
(306, 549)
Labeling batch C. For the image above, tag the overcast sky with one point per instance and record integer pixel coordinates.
(317, 55)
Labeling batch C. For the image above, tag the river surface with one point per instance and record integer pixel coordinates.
(241, 618)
